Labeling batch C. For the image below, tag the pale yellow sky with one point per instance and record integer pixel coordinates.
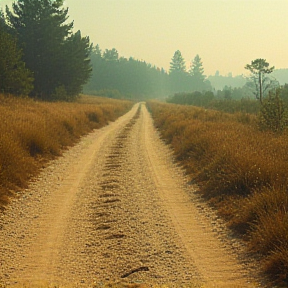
(227, 34)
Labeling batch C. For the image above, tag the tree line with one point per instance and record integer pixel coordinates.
(114, 76)
(269, 101)
(39, 53)
(47, 60)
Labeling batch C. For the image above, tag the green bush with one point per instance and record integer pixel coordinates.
(273, 114)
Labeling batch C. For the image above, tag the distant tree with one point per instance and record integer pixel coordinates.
(15, 78)
(281, 75)
(197, 70)
(236, 93)
(98, 70)
(284, 94)
(259, 68)
(179, 78)
(56, 56)
(119, 77)
(198, 79)
(97, 51)
(227, 93)
(196, 98)
(177, 63)
(219, 81)
(111, 55)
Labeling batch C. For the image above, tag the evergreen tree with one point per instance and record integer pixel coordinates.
(45, 38)
(198, 79)
(197, 70)
(15, 78)
(179, 78)
(97, 51)
(177, 63)
(259, 68)
(76, 68)
(111, 55)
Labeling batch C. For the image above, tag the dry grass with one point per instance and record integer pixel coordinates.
(241, 171)
(132, 285)
(34, 132)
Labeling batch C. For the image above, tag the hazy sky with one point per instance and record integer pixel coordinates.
(227, 34)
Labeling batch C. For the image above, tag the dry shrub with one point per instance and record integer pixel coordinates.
(262, 202)
(241, 170)
(269, 237)
(34, 132)
(276, 264)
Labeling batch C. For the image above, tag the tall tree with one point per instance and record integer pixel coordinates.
(76, 68)
(197, 70)
(179, 78)
(177, 63)
(111, 55)
(44, 36)
(259, 68)
(198, 79)
(15, 78)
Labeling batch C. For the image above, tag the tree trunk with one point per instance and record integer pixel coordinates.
(260, 87)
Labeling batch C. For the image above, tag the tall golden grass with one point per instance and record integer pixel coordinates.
(33, 132)
(240, 170)
(114, 285)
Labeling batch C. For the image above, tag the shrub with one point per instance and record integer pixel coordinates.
(273, 114)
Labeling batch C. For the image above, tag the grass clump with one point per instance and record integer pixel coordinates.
(34, 132)
(241, 170)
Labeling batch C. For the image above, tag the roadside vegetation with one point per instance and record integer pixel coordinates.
(240, 163)
(33, 132)
(120, 285)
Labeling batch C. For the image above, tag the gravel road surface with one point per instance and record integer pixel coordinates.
(117, 208)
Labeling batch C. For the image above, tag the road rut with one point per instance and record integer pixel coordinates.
(114, 208)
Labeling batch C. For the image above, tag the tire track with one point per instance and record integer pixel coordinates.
(131, 237)
(114, 208)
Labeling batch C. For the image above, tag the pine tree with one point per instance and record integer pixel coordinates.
(97, 51)
(177, 63)
(45, 38)
(15, 78)
(259, 68)
(111, 55)
(76, 68)
(197, 70)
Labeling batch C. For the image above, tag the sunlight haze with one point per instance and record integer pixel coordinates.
(226, 34)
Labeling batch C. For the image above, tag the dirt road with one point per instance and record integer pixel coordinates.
(116, 208)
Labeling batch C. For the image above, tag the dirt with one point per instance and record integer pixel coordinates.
(117, 208)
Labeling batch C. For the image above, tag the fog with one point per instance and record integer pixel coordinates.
(226, 34)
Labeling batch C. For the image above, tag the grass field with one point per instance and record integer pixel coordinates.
(128, 285)
(34, 132)
(240, 170)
